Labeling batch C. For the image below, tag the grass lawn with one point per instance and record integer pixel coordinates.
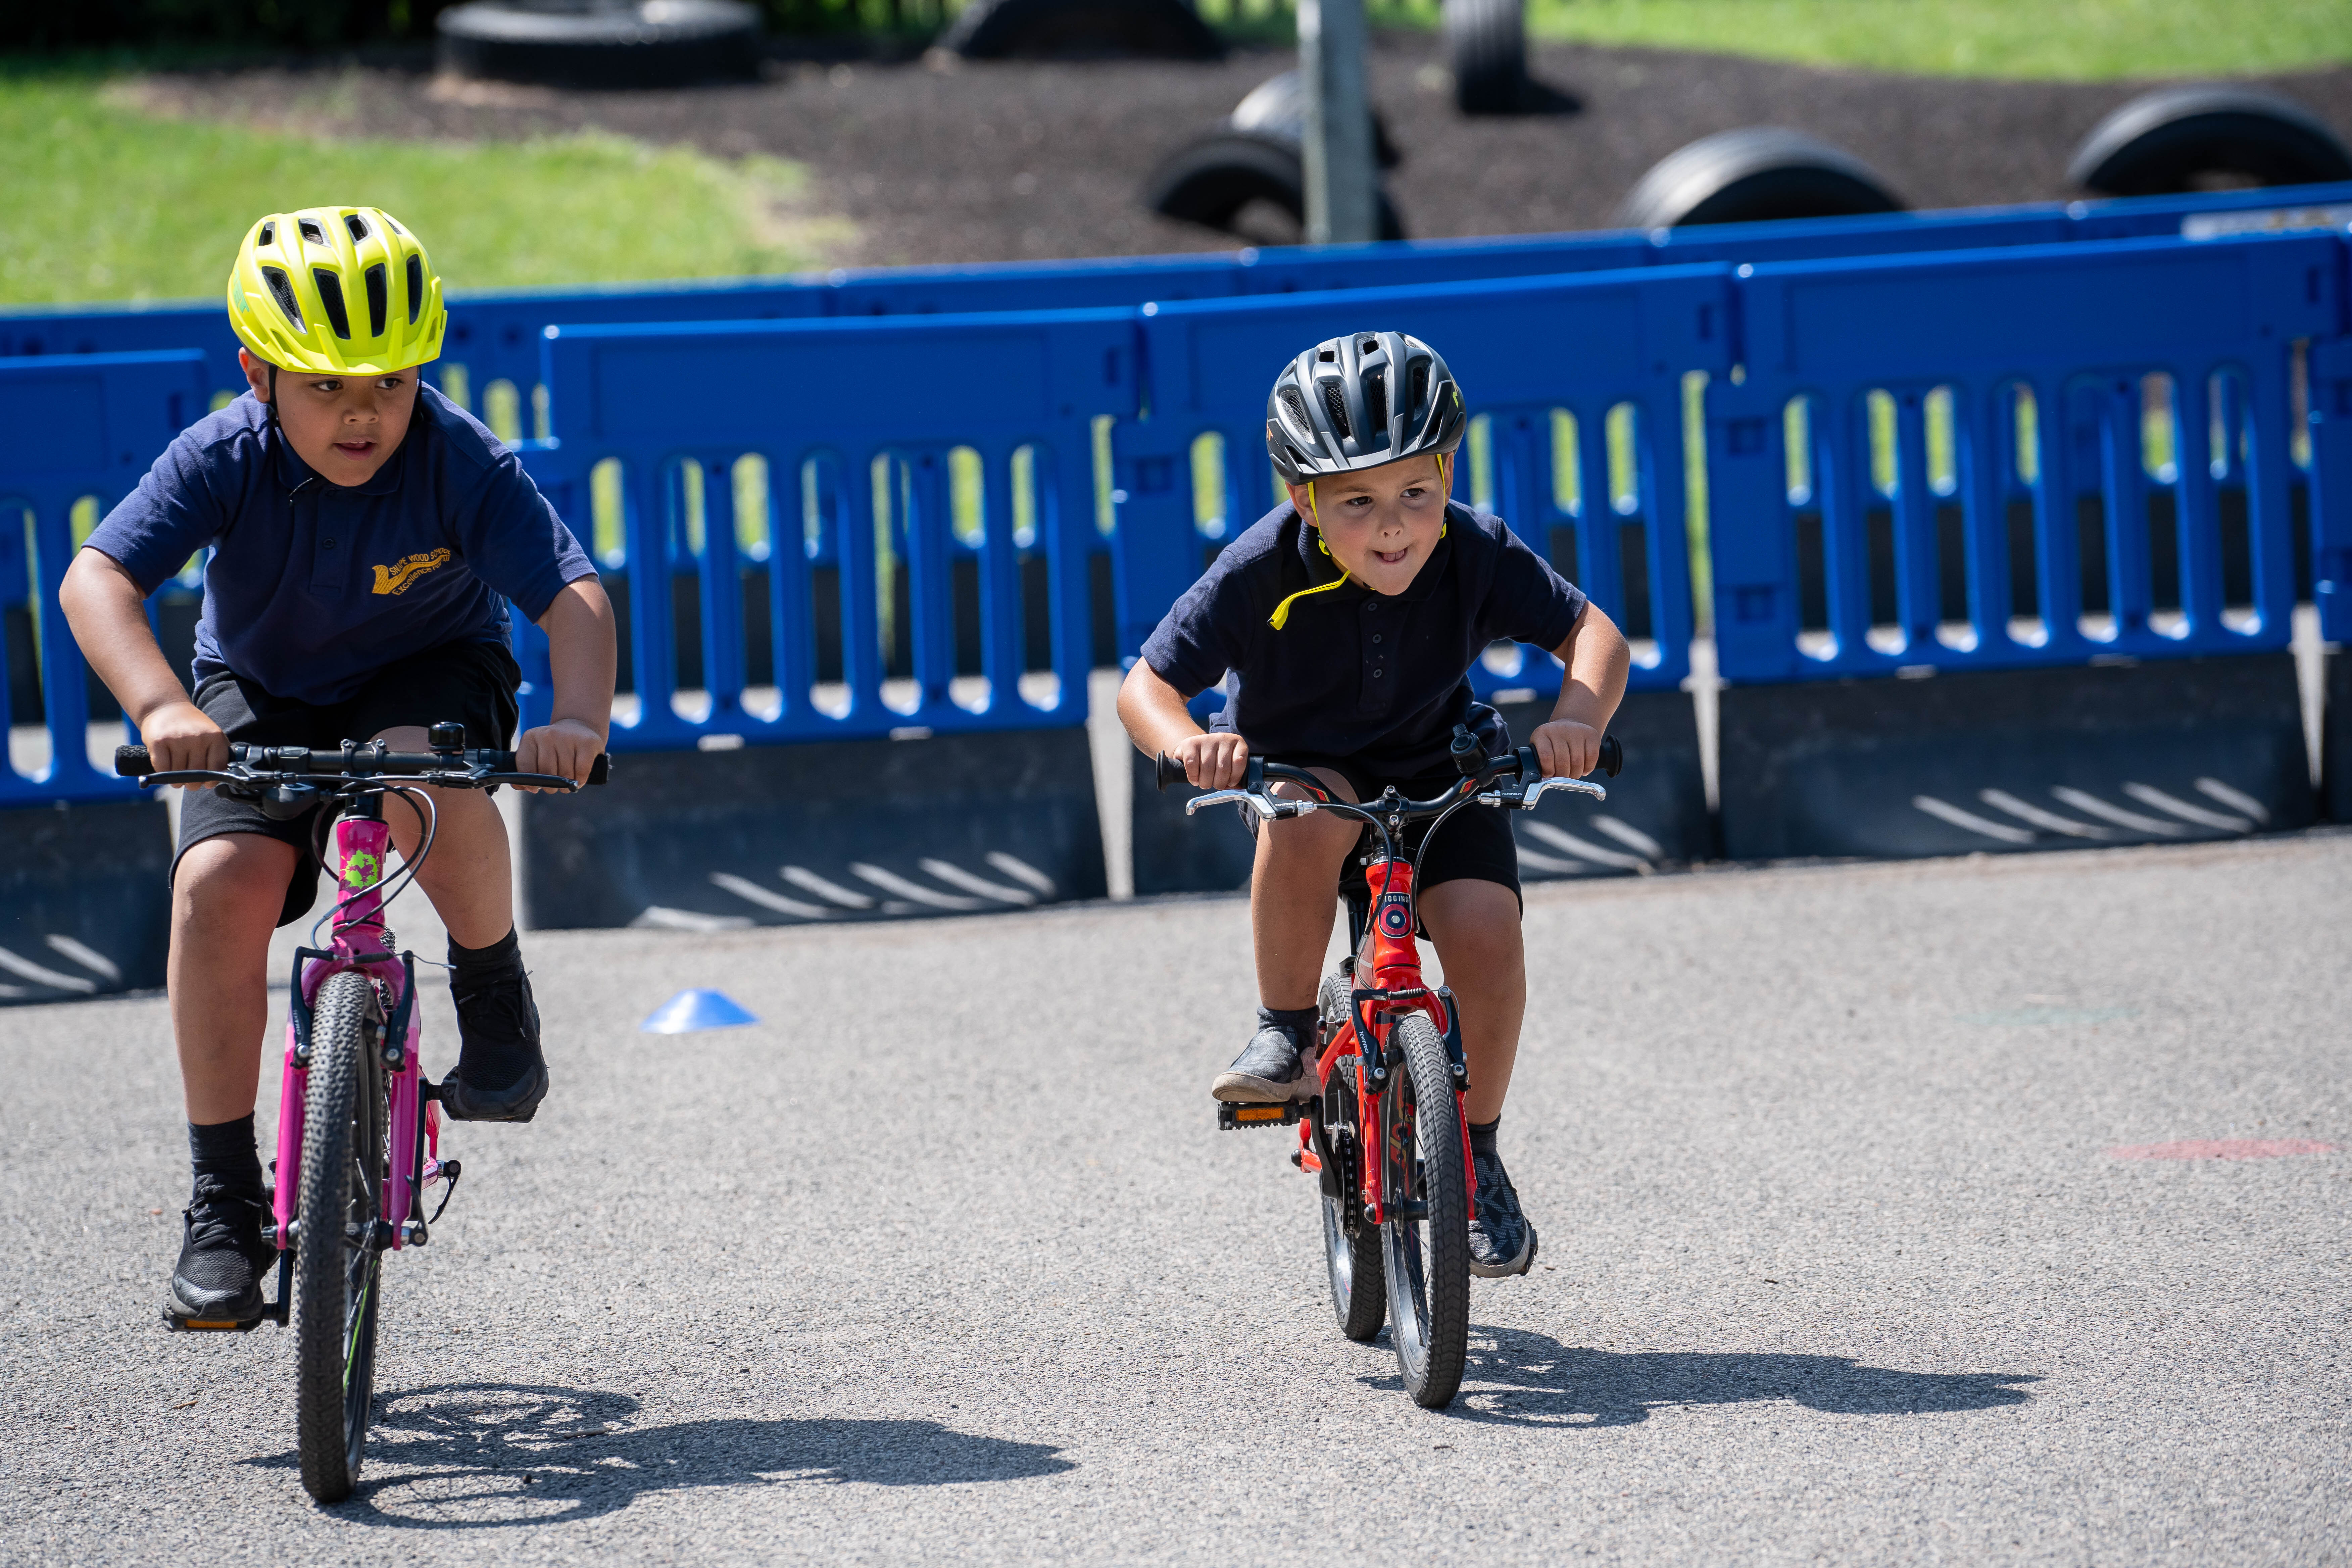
(2079, 40)
(2070, 40)
(102, 201)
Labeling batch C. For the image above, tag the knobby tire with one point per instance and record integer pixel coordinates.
(345, 1160)
(1427, 1260)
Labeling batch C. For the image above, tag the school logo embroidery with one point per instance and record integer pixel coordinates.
(396, 577)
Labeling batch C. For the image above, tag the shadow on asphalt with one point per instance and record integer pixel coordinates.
(1532, 1380)
(474, 1456)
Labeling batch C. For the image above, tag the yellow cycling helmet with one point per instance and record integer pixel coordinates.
(336, 290)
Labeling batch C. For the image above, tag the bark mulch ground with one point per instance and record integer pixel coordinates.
(976, 162)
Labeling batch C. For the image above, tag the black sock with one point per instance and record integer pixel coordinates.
(492, 1050)
(225, 1156)
(1299, 1021)
(1482, 1136)
(470, 965)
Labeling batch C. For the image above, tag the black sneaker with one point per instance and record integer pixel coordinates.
(224, 1251)
(1502, 1242)
(1270, 1070)
(501, 1074)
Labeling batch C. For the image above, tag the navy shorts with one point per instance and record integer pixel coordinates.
(471, 683)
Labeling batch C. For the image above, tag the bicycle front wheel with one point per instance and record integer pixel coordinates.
(1425, 1237)
(338, 1250)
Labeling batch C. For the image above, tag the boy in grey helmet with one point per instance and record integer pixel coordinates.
(1344, 624)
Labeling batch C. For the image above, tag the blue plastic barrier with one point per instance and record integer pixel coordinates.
(842, 410)
(494, 337)
(77, 427)
(2104, 346)
(1546, 363)
(83, 854)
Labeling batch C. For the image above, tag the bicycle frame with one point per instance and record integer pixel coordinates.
(361, 943)
(1383, 933)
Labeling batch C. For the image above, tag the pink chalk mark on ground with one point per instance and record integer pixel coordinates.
(2223, 1149)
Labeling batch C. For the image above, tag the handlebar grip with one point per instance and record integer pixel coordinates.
(132, 762)
(601, 769)
(1612, 755)
(1165, 771)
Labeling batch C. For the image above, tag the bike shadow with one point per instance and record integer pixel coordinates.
(1521, 1378)
(477, 1456)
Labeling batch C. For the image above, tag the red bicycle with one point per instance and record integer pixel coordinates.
(1387, 1138)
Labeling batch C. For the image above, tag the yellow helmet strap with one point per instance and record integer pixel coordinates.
(1281, 616)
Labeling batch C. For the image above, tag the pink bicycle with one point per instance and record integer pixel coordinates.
(357, 1121)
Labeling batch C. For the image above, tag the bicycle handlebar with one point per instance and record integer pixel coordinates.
(1166, 770)
(459, 769)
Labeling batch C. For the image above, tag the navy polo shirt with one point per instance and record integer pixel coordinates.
(1354, 673)
(314, 587)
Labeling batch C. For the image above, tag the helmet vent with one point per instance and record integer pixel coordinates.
(1334, 403)
(416, 287)
(268, 234)
(311, 231)
(357, 225)
(1372, 346)
(1329, 356)
(1419, 385)
(379, 300)
(393, 224)
(282, 288)
(331, 295)
(1376, 401)
(1297, 406)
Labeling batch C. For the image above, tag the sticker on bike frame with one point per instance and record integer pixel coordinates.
(1396, 915)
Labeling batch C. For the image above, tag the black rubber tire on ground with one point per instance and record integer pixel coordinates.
(1756, 174)
(1277, 107)
(1486, 47)
(602, 43)
(343, 1165)
(1081, 29)
(2161, 142)
(1429, 1295)
(1360, 1297)
(1211, 181)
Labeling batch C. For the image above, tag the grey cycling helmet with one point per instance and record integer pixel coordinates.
(1360, 401)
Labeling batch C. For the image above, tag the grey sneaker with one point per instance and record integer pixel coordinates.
(1502, 1242)
(1272, 1067)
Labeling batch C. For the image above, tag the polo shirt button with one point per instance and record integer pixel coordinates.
(1378, 673)
(328, 544)
(1376, 637)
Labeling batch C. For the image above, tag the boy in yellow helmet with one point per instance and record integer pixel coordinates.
(366, 534)
(1344, 624)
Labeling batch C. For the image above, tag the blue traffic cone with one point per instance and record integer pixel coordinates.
(691, 1010)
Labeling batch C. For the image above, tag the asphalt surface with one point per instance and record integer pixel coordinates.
(1007, 160)
(946, 1255)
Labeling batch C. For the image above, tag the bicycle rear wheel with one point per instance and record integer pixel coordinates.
(338, 1252)
(1351, 1247)
(1425, 1239)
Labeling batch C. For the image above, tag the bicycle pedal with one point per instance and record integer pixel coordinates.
(1232, 1114)
(178, 1324)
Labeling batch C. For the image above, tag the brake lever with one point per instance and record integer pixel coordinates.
(1525, 796)
(1266, 810)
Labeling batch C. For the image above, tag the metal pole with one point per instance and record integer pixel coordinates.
(1341, 183)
